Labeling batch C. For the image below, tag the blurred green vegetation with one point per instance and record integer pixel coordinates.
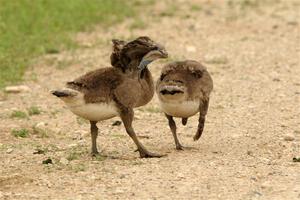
(29, 28)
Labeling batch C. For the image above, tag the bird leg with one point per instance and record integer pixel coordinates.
(184, 121)
(94, 134)
(126, 115)
(203, 111)
(172, 125)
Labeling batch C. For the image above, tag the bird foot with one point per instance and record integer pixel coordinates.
(95, 153)
(181, 148)
(147, 154)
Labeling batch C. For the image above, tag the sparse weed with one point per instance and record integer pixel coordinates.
(99, 158)
(78, 168)
(195, 7)
(18, 114)
(73, 156)
(33, 110)
(23, 133)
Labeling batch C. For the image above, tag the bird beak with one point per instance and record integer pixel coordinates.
(151, 56)
(164, 53)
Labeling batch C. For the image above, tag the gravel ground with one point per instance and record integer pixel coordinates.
(252, 133)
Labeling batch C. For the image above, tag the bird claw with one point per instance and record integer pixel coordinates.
(95, 153)
(148, 154)
(182, 148)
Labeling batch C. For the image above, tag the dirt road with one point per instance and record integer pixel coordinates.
(252, 133)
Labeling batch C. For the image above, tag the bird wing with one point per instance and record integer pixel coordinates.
(97, 85)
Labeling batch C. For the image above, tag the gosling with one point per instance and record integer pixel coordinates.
(114, 91)
(183, 90)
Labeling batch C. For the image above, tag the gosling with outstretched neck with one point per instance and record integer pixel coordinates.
(114, 91)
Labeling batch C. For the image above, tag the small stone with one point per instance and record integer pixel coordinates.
(122, 176)
(39, 151)
(180, 175)
(41, 125)
(190, 49)
(276, 79)
(256, 193)
(9, 150)
(289, 137)
(40, 129)
(266, 185)
(64, 161)
(72, 145)
(47, 161)
(296, 159)
(79, 134)
(216, 59)
(250, 153)
(17, 89)
(119, 191)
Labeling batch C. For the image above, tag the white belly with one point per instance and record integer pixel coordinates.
(180, 109)
(95, 111)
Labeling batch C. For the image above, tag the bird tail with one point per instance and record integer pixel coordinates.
(64, 93)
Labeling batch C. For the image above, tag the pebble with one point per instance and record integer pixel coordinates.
(216, 59)
(17, 89)
(190, 49)
(266, 184)
(72, 145)
(117, 123)
(289, 137)
(40, 125)
(250, 153)
(47, 161)
(79, 135)
(9, 150)
(119, 191)
(64, 161)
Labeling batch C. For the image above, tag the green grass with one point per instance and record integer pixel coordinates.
(30, 28)
(23, 133)
(18, 114)
(33, 110)
(195, 7)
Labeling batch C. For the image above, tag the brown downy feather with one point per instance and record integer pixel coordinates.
(115, 59)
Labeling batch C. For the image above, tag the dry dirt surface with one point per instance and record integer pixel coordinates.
(252, 132)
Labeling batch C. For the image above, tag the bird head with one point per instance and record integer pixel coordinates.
(141, 51)
(154, 51)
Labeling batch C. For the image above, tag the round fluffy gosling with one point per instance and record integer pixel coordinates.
(183, 90)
